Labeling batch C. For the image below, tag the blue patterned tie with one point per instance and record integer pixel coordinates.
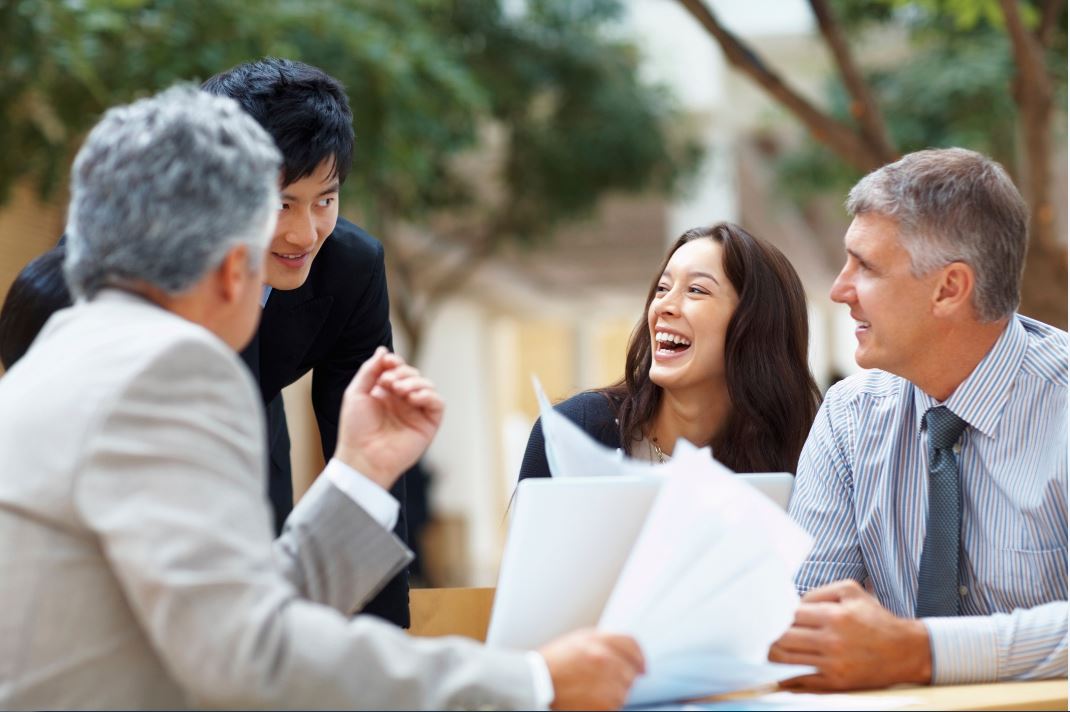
(938, 573)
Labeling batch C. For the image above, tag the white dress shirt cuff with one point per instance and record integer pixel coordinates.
(370, 497)
(964, 649)
(544, 684)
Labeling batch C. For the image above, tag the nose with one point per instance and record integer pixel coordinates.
(842, 291)
(301, 231)
(667, 304)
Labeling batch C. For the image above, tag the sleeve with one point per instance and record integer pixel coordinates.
(170, 484)
(822, 502)
(591, 410)
(1026, 644)
(367, 328)
(534, 463)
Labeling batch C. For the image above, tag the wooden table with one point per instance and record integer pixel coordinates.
(466, 611)
(1039, 695)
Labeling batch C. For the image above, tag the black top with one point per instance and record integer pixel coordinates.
(590, 410)
(329, 325)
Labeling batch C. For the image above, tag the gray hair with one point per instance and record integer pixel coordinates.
(164, 187)
(954, 205)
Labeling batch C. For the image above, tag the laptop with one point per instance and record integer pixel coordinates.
(567, 544)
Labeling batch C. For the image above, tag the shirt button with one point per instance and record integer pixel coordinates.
(963, 590)
(957, 448)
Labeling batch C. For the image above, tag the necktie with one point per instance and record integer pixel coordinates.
(938, 573)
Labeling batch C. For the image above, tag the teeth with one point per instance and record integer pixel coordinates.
(666, 337)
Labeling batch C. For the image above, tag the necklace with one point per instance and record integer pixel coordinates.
(658, 452)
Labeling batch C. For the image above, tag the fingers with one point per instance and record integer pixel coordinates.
(836, 591)
(406, 383)
(368, 374)
(807, 682)
(627, 648)
(801, 640)
(815, 615)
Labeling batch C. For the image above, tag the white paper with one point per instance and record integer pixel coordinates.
(687, 677)
(708, 585)
(570, 452)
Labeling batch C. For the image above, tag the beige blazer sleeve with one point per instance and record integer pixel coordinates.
(335, 553)
(172, 486)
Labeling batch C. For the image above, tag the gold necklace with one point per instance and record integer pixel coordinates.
(657, 450)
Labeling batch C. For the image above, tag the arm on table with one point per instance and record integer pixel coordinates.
(1026, 644)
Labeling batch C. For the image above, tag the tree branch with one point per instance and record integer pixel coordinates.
(1028, 54)
(844, 140)
(1048, 19)
(864, 106)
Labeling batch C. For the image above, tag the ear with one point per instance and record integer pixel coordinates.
(234, 274)
(954, 289)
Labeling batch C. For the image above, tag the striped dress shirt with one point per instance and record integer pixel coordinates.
(862, 492)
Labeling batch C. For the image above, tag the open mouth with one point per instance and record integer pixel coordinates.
(671, 344)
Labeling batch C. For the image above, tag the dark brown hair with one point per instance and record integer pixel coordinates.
(774, 396)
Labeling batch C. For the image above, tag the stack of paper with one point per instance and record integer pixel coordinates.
(707, 587)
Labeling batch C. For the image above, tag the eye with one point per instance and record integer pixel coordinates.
(325, 202)
(695, 289)
(282, 205)
(661, 289)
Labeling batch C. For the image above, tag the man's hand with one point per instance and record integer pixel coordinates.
(592, 670)
(853, 641)
(389, 415)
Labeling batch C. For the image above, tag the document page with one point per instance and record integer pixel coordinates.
(708, 585)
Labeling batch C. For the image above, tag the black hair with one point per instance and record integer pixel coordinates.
(305, 110)
(36, 294)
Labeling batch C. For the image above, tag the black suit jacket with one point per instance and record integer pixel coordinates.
(329, 325)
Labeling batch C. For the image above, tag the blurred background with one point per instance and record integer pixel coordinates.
(527, 162)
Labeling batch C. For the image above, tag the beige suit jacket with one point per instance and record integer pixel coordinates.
(137, 567)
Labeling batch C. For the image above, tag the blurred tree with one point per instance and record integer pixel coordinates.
(476, 127)
(986, 74)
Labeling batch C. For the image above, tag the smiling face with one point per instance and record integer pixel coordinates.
(308, 214)
(688, 317)
(891, 307)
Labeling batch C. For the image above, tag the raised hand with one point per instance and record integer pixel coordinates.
(592, 670)
(390, 413)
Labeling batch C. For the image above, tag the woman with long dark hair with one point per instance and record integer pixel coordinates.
(719, 358)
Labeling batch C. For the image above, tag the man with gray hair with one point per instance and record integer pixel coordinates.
(137, 567)
(935, 484)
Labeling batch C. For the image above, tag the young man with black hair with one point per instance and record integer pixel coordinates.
(325, 304)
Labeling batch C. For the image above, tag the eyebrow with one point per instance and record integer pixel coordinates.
(332, 188)
(696, 273)
(858, 257)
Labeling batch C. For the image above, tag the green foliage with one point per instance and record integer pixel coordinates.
(424, 78)
(954, 90)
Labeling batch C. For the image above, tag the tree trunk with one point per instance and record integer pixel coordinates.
(1044, 281)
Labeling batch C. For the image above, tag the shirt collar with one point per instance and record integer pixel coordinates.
(980, 399)
(264, 295)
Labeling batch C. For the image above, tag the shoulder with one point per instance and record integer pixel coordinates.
(1046, 352)
(587, 407)
(868, 386)
(351, 244)
(125, 355)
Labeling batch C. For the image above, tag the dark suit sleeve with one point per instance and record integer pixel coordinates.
(367, 329)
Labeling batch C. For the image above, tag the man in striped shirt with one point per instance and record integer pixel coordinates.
(932, 279)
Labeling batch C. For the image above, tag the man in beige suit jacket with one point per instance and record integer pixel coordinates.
(137, 568)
